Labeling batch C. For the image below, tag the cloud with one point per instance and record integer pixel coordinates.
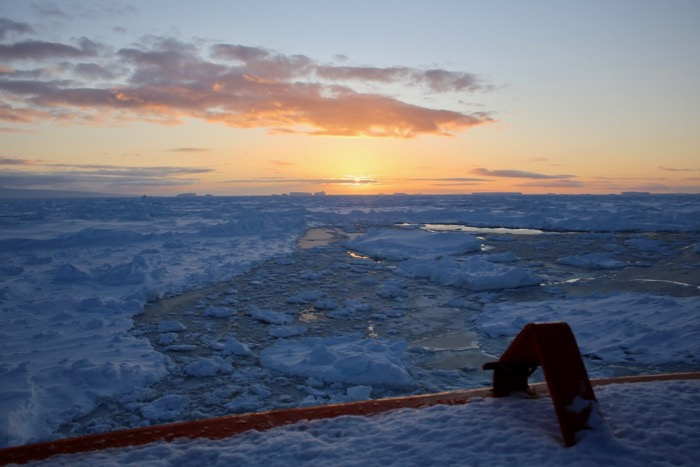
(616, 179)
(91, 71)
(99, 177)
(455, 184)
(188, 150)
(449, 179)
(675, 169)
(509, 173)
(50, 11)
(306, 181)
(7, 129)
(8, 161)
(38, 50)
(15, 114)
(59, 180)
(663, 188)
(111, 170)
(8, 26)
(87, 10)
(553, 184)
(436, 79)
(164, 80)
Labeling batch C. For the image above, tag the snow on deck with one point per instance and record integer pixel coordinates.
(653, 423)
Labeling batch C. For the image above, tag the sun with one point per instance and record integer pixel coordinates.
(359, 180)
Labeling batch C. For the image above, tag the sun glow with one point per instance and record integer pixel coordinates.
(359, 180)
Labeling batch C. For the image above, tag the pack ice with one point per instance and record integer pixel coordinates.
(76, 274)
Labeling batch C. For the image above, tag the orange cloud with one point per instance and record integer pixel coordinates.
(163, 80)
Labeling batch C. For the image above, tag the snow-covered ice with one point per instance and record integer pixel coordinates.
(641, 424)
(470, 273)
(405, 244)
(621, 328)
(118, 313)
(341, 359)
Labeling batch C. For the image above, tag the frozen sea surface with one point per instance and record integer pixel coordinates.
(127, 312)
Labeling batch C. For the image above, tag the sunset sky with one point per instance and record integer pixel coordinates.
(357, 97)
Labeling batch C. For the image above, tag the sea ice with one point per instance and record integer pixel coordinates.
(472, 273)
(646, 329)
(171, 326)
(268, 316)
(341, 359)
(233, 346)
(218, 312)
(400, 244)
(74, 275)
(592, 261)
(287, 331)
(208, 367)
(166, 408)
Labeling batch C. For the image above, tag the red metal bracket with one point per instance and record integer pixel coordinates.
(552, 346)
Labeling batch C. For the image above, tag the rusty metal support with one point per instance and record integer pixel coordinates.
(553, 347)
